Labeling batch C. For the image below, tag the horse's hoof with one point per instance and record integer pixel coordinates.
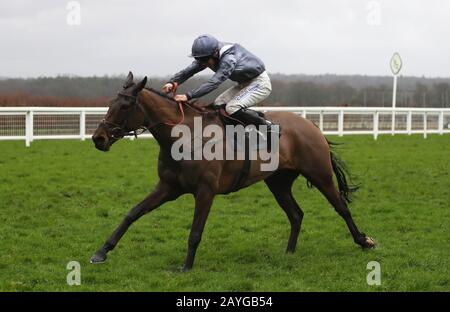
(369, 243)
(97, 259)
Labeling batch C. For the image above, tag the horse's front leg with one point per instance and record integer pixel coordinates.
(203, 200)
(162, 193)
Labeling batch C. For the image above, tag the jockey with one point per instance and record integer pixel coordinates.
(228, 61)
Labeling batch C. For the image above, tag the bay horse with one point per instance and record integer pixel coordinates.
(303, 150)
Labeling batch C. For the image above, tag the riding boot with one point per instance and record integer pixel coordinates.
(251, 117)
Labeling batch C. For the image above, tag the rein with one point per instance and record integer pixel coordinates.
(180, 106)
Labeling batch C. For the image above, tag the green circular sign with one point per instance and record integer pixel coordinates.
(396, 63)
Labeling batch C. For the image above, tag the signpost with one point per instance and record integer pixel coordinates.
(396, 65)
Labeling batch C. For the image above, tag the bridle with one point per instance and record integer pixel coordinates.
(117, 131)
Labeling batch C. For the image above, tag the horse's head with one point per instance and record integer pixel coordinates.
(123, 117)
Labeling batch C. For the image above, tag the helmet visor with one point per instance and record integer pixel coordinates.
(202, 59)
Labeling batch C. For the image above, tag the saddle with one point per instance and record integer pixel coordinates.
(224, 117)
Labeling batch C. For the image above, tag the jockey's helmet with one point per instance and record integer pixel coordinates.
(204, 46)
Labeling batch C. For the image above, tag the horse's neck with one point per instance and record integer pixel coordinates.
(161, 113)
(157, 108)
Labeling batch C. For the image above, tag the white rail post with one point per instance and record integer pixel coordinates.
(28, 128)
(341, 123)
(376, 117)
(83, 125)
(425, 125)
(304, 113)
(441, 123)
(409, 122)
(321, 120)
(31, 126)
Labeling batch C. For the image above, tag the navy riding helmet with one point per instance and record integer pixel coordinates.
(204, 46)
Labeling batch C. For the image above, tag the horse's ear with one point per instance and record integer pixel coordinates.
(129, 80)
(140, 85)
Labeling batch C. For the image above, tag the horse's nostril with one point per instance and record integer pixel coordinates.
(98, 140)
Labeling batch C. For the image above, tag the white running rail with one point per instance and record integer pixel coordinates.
(36, 123)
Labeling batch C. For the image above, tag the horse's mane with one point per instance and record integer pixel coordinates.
(164, 95)
(194, 105)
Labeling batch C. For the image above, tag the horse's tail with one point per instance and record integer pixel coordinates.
(341, 171)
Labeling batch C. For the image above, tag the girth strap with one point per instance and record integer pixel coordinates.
(242, 177)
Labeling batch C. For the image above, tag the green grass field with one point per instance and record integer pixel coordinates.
(60, 200)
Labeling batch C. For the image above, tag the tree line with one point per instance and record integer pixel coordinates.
(287, 90)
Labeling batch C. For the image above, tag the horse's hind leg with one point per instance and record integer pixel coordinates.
(328, 189)
(280, 184)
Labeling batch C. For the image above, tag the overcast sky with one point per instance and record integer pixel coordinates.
(292, 37)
